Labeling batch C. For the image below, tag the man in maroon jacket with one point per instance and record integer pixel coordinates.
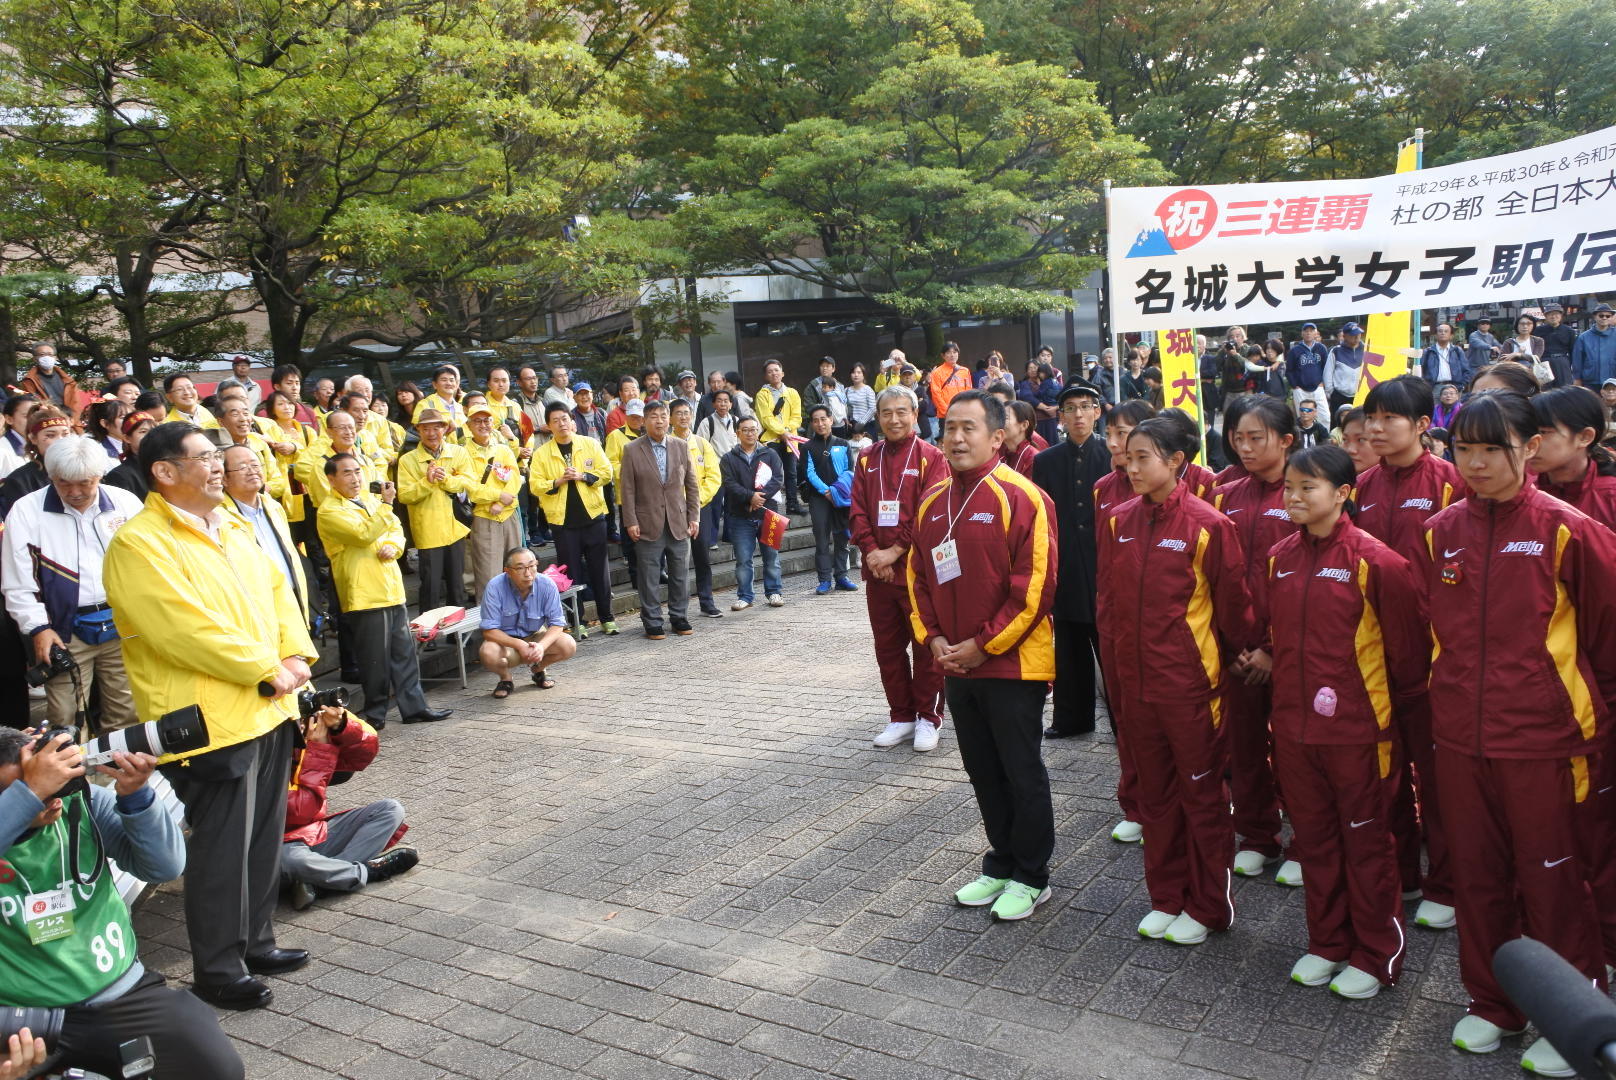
(346, 851)
(982, 583)
(888, 481)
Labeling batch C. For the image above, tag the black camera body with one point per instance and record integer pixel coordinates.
(136, 1057)
(60, 662)
(310, 702)
(376, 487)
(46, 737)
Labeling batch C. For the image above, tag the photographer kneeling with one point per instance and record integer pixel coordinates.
(65, 935)
(345, 851)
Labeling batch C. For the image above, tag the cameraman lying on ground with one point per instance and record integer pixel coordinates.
(339, 852)
(65, 936)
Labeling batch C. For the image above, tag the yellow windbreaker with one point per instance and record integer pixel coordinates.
(616, 442)
(704, 460)
(432, 520)
(310, 469)
(547, 465)
(352, 532)
(789, 419)
(493, 473)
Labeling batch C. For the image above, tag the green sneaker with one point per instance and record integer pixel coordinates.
(1017, 901)
(984, 890)
(578, 632)
(609, 627)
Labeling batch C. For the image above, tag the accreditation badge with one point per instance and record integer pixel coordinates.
(945, 560)
(48, 915)
(886, 514)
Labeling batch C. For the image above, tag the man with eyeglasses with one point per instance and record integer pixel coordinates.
(245, 488)
(237, 647)
(522, 623)
(1068, 471)
(1593, 358)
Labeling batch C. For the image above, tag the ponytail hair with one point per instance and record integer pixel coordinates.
(1192, 430)
(1331, 464)
(1275, 415)
(1575, 408)
(1167, 435)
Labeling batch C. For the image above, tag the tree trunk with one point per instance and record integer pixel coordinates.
(933, 329)
(8, 345)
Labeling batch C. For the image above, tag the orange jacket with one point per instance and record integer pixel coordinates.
(73, 400)
(945, 381)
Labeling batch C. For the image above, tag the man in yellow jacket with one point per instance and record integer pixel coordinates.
(364, 539)
(340, 437)
(704, 463)
(779, 410)
(184, 403)
(240, 430)
(570, 475)
(496, 485)
(207, 620)
(430, 478)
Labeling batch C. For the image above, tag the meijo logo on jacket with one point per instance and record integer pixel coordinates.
(1343, 576)
(1418, 504)
(1174, 545)
(1522, 547)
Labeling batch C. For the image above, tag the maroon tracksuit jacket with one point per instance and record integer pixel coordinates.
(1594, 495)
(1522, 601)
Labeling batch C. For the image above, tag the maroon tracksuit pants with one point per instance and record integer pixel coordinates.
(1339, 801)
(1419, 790)
(912, 694)
(1127, 782)
(1178, 753)
(1514, 839)
(1251, 772)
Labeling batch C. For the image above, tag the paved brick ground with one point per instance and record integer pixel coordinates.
(686, 860)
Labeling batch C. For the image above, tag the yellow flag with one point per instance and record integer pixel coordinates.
(1391, 334)
(1181, 379)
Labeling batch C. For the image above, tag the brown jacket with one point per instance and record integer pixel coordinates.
(73, 401)
(651, 503)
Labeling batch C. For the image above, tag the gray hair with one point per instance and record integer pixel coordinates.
(355, 381)
(229, 384)
(898, 390)
(75, 459)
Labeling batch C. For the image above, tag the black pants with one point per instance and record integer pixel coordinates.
(443, 575)
(1337, 401)
(14, 660)
(792, 471)
(388, 663)
(233, 853)
(583, 553)
(185, 1034)
(701, 558)
(999, 725)
(830, 537)
(1076, 646)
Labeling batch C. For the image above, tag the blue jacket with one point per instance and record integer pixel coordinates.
(1304, 365)
(826, 462)
(1593, 357)
(1459, 365)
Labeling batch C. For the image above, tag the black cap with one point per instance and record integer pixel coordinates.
(1076, 387)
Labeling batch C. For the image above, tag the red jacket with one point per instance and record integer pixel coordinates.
(1230, 473)
(1202, 480)
(1173, 605)
(348, 751)
(1257, 511)
(1522, 601)
(1395, 503)
(1344, 616)
(1111, 491)
(1594, 495)
(1020, 459)
(903, 471)
(1004, 530)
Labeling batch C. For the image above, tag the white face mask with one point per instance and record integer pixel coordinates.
(47, 362)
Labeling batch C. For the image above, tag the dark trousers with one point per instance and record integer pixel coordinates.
(999, 725)
(830, 537)
(701, 558)
(1076, 646)
(443, 574)
(233, 854)
(535, 525)
(610, 491)
(583, 553)
(185, 1034)
(387, 662)
(1337, 402)
(13, 687)
(792, 470)
(305, 532)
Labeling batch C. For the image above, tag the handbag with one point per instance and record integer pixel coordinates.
(1542, 370)
(461, 504)
(95, 627)
(772, 531)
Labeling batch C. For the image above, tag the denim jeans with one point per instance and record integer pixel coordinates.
(743, 536)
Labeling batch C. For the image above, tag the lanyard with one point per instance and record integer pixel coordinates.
(881, 471)
(952, 516)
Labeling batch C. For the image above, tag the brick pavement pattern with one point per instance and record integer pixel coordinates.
(687, 861)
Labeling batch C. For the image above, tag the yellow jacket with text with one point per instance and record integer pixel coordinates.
(493, 473)
(432, 520)
(203, 622)
(353, 532)
(544, 472)
(704, 462)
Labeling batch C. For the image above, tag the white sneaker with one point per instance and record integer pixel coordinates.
(894, 734)
(1155, 924)
(1128, 832)
(1289, 874)
(1186, 931)
(776, 600)
(1252, 863)
(925, 735)
(1478, 1036)
(1312, 970)
(1545, 1060)
(36, 693)
(1355, 983)
(740, 605)
(1435, 916)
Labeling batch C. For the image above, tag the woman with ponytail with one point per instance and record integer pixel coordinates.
(1346, 641)
(1522, 598)
(1571, 463)
(1261, 435)
(1174, 611)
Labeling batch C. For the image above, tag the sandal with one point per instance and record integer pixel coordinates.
(503, 688)
(542, 681)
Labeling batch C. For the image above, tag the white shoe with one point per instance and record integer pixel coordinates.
(1186, 931)
(1478, 1036)
(1545, 1060)
(1155, 924)
(776, 600)
(1289, 874)
(36, 693)
(1313, 970)
(1355, 983)
(1251, 863)
(1435, 916)
(895, 733)
(740, 605)
(1128, 832)
(925, 735)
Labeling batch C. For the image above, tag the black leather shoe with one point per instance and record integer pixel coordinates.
(277, 961)
(243, 994)
(681, 627)
(351, 675)
(1051, 733)
(428, 716)
(391, 864)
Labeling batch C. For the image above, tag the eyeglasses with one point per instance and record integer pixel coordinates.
(211, 457)
(250, 467)
(523, 568)
(1073, 408)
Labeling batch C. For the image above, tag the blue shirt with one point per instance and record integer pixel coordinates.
(503, 610)
(264, 533)
(660, 449)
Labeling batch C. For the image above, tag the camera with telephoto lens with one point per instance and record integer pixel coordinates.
(135, 1055)
(310, 702)
(170, 734)
(60, 663)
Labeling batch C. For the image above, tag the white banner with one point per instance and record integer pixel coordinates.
(1533, 223)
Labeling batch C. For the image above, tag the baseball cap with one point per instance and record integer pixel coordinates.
(1552, 307)
(1351, 328)
(580, 387)
(479, 410)
(1310, 326)
(634, 408)
(1607, 382)
(686, 374)
(1488, 319)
